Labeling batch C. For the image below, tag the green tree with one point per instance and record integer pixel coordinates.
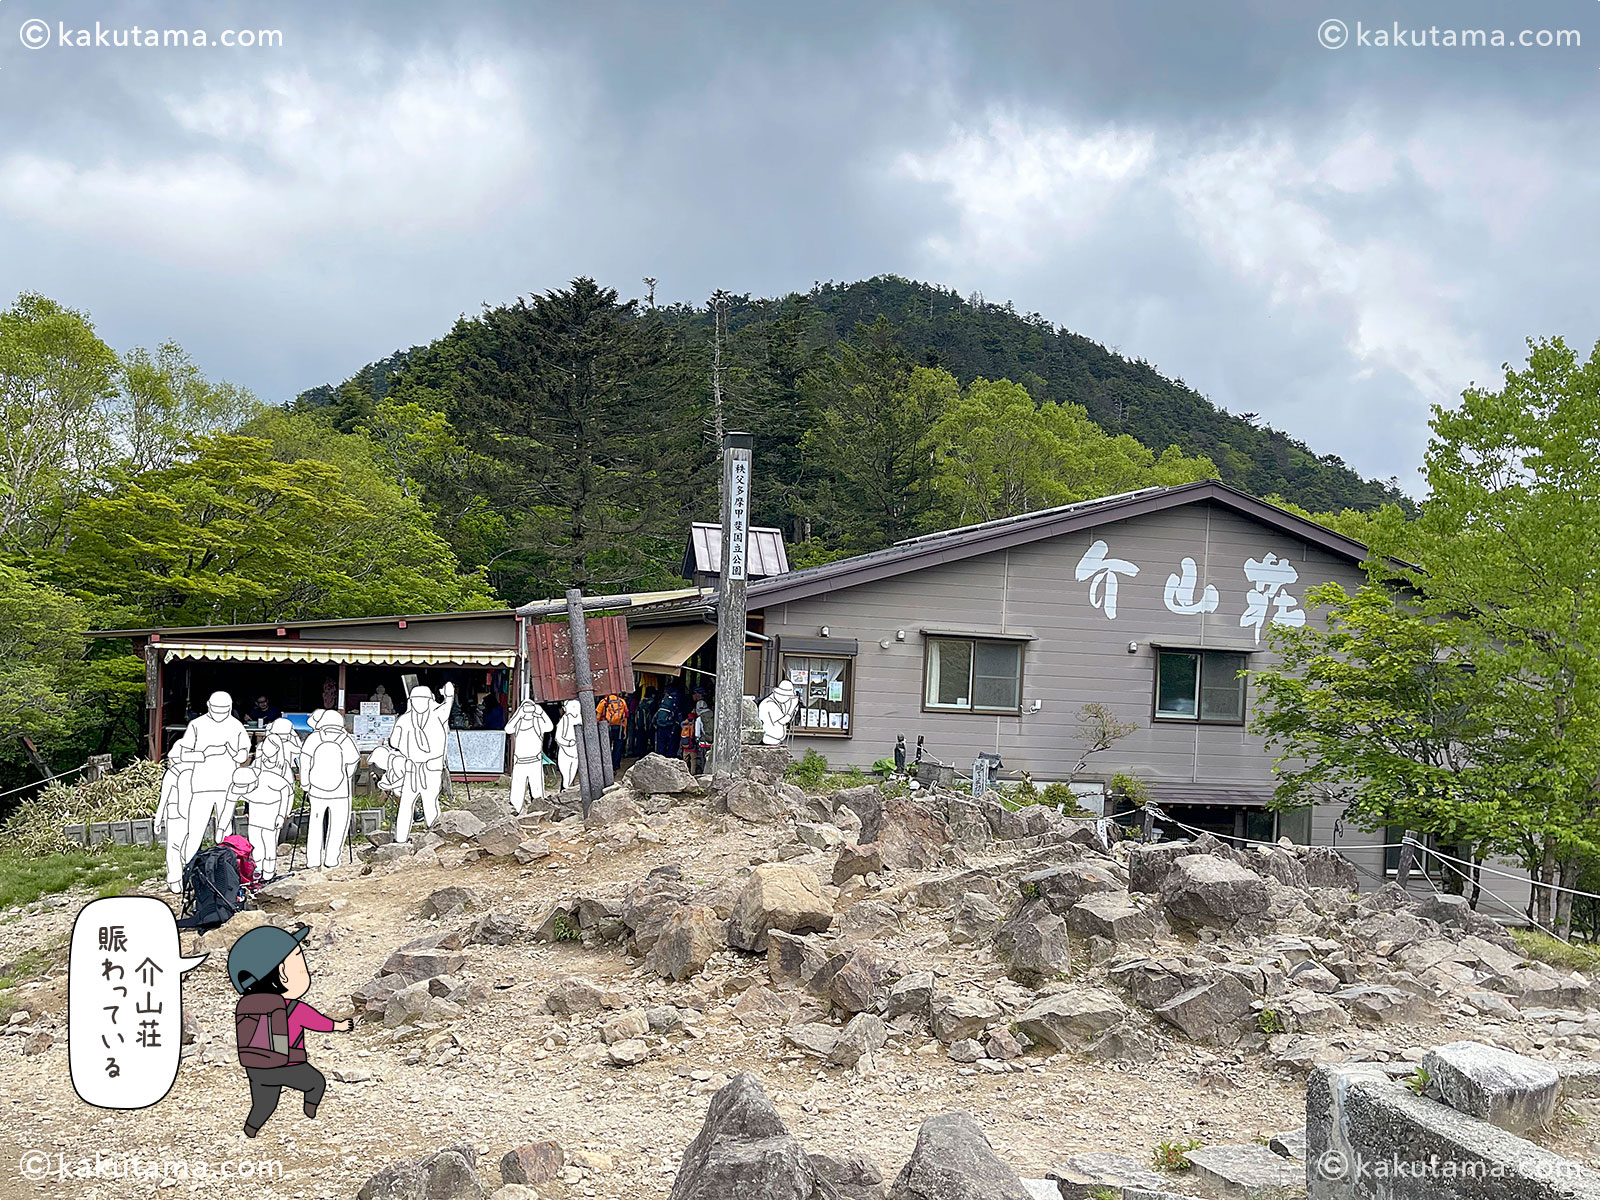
(236, 534)
(1389, 713)
(165, 403)
(1499, 573)
(870, 454)
(57, 381)
(593, 419)
(1000, 454)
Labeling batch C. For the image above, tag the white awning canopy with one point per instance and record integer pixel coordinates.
(298, 651)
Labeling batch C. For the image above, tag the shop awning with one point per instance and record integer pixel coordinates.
(665, 648)
(297, 651)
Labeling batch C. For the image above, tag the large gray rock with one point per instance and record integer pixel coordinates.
(975, 920)
(855, 981)
(1118, 916)
(616, 806)
(1062, 887)
(957, 1017)
(1070, 1020)
(1251, 1172)
(650, 903)
(458, 825)
(1040, 952)
(954, 1161)
(686, 942)
(910, 994)
(863, 1036)
(942, 891)
(501, 837)
(1148, 865)
(533, 1163)
(853, 1175)
(656, 775)
(448, 1174)
(743, 1150)
(779, 896)
(1218, 1013)
(750, 801)
(1214, 892)
(792, 960)
(451, 901)
(1088, 1176)
(1516, 1093)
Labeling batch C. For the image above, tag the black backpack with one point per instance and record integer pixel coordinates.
(210, 888)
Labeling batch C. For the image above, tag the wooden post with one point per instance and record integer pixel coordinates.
(1149, 824)
(591, 776)
(1408, 857)
(736, 469)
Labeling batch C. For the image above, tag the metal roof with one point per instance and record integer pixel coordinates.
(953, 545)
(767, 556)
(317, 623)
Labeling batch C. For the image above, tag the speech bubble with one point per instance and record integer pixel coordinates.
(125, 1001)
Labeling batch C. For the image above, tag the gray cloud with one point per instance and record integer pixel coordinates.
(1335, 239)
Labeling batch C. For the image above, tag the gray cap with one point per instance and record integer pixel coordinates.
(259, 950)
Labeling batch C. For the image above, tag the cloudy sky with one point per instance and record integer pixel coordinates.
(1335, 238)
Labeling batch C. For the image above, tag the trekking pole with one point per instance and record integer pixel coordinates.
(461, 750)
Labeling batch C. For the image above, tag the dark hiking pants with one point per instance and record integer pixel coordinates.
(267, 1083)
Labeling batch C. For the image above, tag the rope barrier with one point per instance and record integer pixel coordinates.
(1507, 905)
(1553, 887)
(47, 779)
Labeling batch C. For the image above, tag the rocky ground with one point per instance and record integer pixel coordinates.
(561, 999)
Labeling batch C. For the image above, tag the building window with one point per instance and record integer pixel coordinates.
(972, 675)
(827, 694)
(1200, 685)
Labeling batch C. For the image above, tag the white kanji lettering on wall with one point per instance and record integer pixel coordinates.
(1104, 570)
(1270, 575)
(1180, 597)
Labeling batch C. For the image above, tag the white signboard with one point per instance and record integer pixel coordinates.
(739, 518)
(372, 727)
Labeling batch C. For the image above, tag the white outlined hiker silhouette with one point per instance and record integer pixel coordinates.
(527, 728)
(172, 826)
(211, 747)
(777, 711)
(419, 740)
(273, 797)
(327, 766)
(567, 734)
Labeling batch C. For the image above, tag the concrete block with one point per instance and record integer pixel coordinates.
(1516, 1093)
(1249, 1172)
(1368, 1137)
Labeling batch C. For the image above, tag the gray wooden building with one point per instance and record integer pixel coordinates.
(991, 639)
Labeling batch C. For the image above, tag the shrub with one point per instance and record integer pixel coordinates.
(1131, 789)
(1269, 1022)
(565, 929)
(125, 795)
(809, 771)
(1419, 1080)
(1173, 1156)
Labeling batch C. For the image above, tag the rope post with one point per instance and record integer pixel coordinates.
(1149, 823)
(1408, 858)
(591, 775)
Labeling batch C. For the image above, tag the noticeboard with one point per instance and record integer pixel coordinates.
(551, 676)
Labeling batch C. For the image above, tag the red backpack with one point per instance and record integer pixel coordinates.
(242, 852)
(261, 1025)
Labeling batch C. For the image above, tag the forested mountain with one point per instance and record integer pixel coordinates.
(975, 339)
(570, 436)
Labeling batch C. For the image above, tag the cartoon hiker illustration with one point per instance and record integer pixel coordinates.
(527, 728)
(327, 765)
(567, 734)
(268, 969)
(273, 795)
(211, 747)
(172, 825)
(777, 711)
(419, 739)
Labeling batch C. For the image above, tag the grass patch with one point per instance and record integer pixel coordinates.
(109, 870)
(1269, 1022)
(29, 965)
(1543, 948)
(1173, 1156)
